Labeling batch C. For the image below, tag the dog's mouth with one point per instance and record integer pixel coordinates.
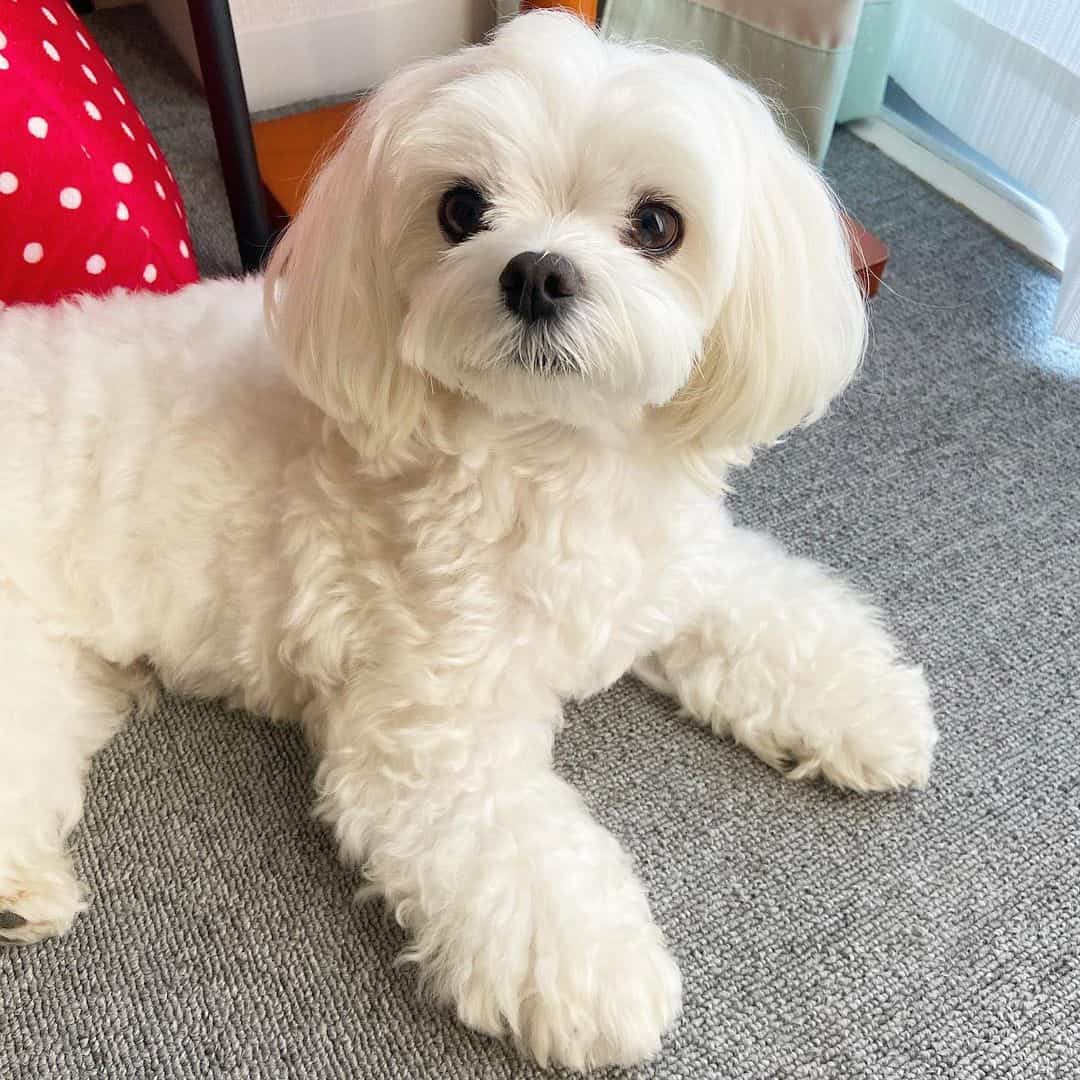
(546, 364)
(542, 357)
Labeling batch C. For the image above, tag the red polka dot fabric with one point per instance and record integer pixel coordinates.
(87, 200)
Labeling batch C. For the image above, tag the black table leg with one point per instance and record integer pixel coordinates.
(224, 84)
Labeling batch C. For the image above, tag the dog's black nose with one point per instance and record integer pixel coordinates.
(538, 285)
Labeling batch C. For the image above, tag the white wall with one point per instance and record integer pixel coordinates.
(295, 50)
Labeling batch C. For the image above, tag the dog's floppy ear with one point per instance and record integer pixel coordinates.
(792, 327)
(331, 299)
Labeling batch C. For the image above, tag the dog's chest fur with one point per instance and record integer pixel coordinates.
(530, 559)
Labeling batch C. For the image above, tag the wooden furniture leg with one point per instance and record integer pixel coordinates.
(868, 256)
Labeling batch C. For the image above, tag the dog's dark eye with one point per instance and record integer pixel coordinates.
(461, 213)
(656, 229)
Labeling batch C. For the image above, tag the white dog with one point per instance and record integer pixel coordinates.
(466, 465)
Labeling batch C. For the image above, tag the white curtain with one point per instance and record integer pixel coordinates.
(1004, 76)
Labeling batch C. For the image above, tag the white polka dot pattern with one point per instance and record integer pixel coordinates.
(64, 162)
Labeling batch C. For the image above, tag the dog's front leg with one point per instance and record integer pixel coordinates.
(796, 666)
(526, 915)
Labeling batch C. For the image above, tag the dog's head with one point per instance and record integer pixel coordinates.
(606, 235)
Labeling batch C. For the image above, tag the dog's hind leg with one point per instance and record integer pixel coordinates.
(59, 704)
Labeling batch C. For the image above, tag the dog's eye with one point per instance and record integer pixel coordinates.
(655, 228)
(461, 213)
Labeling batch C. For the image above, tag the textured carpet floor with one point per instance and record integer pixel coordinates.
(820, 934)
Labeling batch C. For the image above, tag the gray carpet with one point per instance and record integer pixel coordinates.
(820, 934)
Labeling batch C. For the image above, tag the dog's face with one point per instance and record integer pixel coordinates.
(569, 229)
(569, 253)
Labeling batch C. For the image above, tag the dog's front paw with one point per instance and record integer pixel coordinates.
(607, 1005)
(582, 1004)
(579, 988)
(877, 734)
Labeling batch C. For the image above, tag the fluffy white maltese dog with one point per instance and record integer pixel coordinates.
(457, 458)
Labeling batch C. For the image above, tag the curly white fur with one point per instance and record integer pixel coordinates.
(361, 510)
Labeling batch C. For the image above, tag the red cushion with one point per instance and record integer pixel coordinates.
(87, 201)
